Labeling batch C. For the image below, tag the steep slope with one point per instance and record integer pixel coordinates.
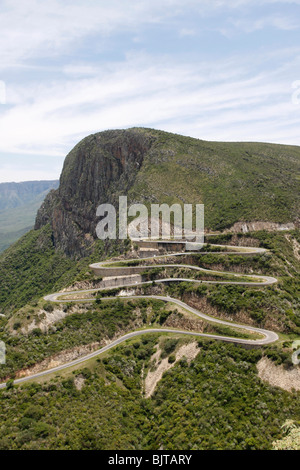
(236, 181)
(151, 166)
(97, 170)
(216, 401)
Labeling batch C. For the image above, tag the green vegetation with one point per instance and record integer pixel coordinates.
(229, 178)
(96, 323)
(216, 402)
(168, 347)
(277, 304)
(89, 324)
(291, 440)
(32, 267)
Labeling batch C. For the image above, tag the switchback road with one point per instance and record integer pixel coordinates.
(267, 336)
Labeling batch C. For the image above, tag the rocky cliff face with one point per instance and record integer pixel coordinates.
(244, 186)
(99, 169)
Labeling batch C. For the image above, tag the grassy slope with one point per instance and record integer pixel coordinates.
(229, 178)
(210, 402)
(275, 307)
(32, 267)
(216, 402)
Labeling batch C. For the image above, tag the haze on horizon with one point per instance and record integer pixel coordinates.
(210, 69)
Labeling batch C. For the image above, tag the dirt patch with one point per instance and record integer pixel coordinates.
(203, 305)
(278, 376)
(295, 245)
(79, 382)
(84, 285)
(272, 319)
(292, 440)
(189, 350)
(126, 293)
(45, 319)
(59, 359)
(184, 323)
(245, 227)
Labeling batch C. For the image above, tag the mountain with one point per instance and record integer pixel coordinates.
(19, 203)
(13, 195)
(159, 390)
(237, 182)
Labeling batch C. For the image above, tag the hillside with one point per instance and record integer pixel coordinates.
(19, 203)
(216, 401)
(212, 399)
(110, 163)
(216, 398)
(235, 181)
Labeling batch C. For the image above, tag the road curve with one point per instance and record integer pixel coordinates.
(106, 266)
(268, 336)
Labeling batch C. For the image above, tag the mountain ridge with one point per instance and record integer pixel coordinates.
(14, 194)
(221, 385)
(237, 182)
(19, 203)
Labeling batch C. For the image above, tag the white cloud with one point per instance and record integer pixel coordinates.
(187, 32)
(237, 98)
(50, 118)
(274, 21)
(38, 28)
(35, 28)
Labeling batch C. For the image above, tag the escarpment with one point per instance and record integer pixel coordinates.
(243, 186)
(99, 169)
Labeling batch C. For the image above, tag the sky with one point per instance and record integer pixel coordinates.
(211, 69)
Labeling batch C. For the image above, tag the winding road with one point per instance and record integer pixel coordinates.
(109, 267)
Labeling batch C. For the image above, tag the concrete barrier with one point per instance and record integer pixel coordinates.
(121, 281)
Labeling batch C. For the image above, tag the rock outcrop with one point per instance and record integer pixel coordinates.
(243, 186)
(245, 227)
(99, 169)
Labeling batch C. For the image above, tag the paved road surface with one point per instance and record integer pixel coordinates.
(267, 336)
